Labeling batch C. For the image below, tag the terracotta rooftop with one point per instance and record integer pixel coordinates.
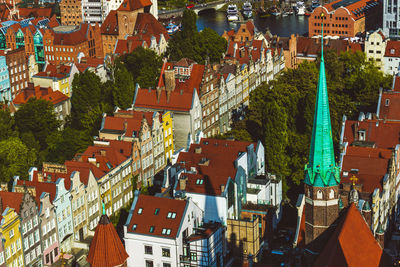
(392, 48)
(110, 24)
(390, 106)
(148, 25)
(356, 8)
(379, 134)
(40, 188)
(242, 52)
(106, 248)
(369, 165)
(131, 5)
(35, 12)
(312, 46)
(72, 38)
(11, 200)
(207, 157)
(153, 214)
(107, 156)
(48, 94)
(347, 247)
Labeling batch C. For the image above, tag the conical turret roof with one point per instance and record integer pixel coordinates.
(106, 249)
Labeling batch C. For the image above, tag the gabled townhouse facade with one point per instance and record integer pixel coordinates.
(157, 228)
(10, 228)
(391, 59)
(114, 159)
(375, 47)
(43, 194)
(177, 92)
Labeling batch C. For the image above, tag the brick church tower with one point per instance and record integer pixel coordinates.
(322, 175)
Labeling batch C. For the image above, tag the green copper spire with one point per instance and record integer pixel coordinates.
(321, 169)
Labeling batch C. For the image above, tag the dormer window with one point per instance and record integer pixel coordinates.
(392, 51)
(361, 135)
(171, 215)
(199, 181)
(156, 211)
(140, 210)
(387, 101)
(166, 231)
(134, 227)
(152, 229)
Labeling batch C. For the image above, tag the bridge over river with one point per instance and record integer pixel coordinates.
(165, 14)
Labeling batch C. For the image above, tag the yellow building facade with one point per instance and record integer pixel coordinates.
(13, 242)
(168, 130)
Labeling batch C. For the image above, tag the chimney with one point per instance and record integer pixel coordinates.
(37, 92)
(169, 77)
(197, 150)
(103, 152)
(125, 125)
(92, 160)
(182, 183)
(222, 188)
(158, 94)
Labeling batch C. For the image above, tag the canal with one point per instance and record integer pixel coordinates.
(281, 26)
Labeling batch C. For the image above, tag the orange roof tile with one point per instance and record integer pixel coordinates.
(390, 111)
(372, 165)
(148, 217)
(48, 94)
(219, 153)
(110, 24)
(106, 249)
(131, 5)
(350, 6)
(35, 12)
(347, 247)
(392, 48)
(11, 200)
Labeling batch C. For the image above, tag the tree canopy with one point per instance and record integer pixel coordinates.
(189, 43)
(281, 112)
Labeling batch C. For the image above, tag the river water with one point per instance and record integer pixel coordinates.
(281, 26)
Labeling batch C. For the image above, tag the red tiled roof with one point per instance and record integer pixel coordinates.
(219, 153)
(179, 101)
(383, 134)
(352, 243)
(148, 218)
(110, 24)
(127, 46)
(83, 168)
(48, 94)
(135, 114)
(108, 157)
(117, 124)
(106, 249)
(355, 6)
(250, 27)
(11, 200)
(392, 110)
(396, 85)
(40, 187)
(312, 46)
(131, 5)
(148, 25)
(392, 48)
(35, 12)
(72, 38)
(372, 165)
(243, 51)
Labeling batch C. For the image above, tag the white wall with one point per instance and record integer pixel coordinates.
(214, 207)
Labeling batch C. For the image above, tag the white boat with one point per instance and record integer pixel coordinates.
(232, 13)
(247, 10)
(172, 28)
(301, 9)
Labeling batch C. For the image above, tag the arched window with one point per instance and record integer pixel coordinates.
(331, 194)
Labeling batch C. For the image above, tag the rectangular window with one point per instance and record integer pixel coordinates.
(166, 252)
(149, 263)
(193, 256)
(148, 250)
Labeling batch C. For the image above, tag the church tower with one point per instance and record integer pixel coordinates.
(322, 175)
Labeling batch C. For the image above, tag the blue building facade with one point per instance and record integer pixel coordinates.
(5, 90)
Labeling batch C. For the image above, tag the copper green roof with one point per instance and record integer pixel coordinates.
(321, 169)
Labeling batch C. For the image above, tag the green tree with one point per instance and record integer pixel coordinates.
(15, 159)
(7, 124)
(63, 145)
(124, 88)
(144, 65)
(37, 117)
(213, 45)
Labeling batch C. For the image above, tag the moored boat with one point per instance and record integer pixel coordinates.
(232, 13)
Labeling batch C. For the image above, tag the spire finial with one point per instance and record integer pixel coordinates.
(322, 36)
